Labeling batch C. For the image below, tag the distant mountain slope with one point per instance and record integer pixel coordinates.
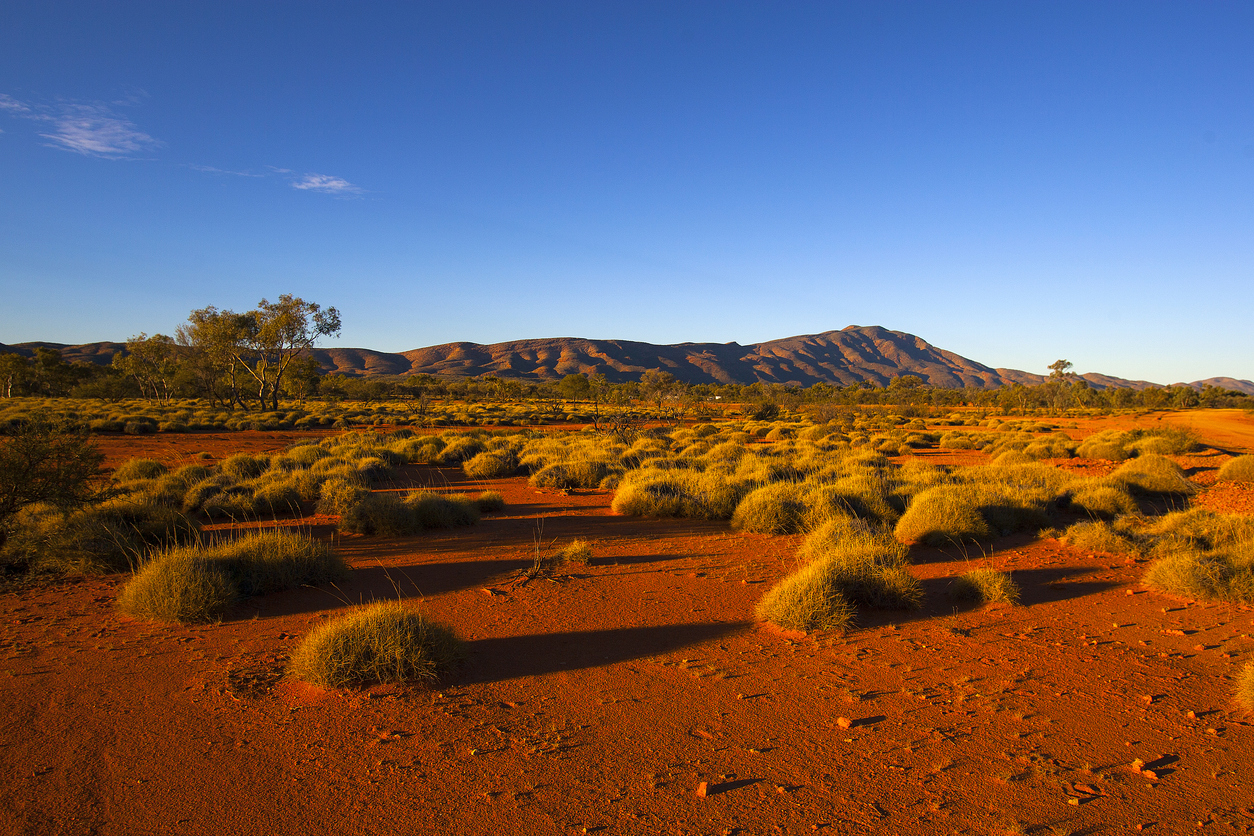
(842, 357)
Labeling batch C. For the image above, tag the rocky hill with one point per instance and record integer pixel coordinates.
(842, 357)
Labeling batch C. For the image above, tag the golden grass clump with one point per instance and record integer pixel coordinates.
(1098, 536)
(1153, 474)
(382, 642)
(1100, 499)
(490, 502)
(808, 599)
(133, 469)
(576, 552)
(986, 586)
(491, 465)
(943, 515)
(1244, 692)
(199, 583)
(771, 509)
(396, 515)
(1240, 469)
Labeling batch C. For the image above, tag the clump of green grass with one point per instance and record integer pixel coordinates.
(201, 582)
(986, 586)
(1244, 693)
(771, 509)
(1240, 469)
(382, 642)
(490, 502)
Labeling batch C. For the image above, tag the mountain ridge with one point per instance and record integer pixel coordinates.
(850, 355)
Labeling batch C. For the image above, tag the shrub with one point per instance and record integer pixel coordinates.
(868, 566)
(987, 586)
(1103, 500)
(491, 465)
(1194, 573)
(1153, 474)
(276, 498)
(139, 469)
(571, 474)
(490, 502)
(808, 599)
(1098, 536)
(460, 449)
(577, 552)
(1240, 469)
(393, 515)
(243, 466)
(943, 515)
(200, 583)
(771, 509)
(1245, 687)
(383, 642)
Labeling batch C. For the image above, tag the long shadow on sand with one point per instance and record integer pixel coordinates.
(511, 657)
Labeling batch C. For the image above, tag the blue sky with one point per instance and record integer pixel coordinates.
(1016, 182)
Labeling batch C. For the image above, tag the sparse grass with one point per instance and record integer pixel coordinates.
(200, 583)
(382, 642)
(577, 552)
(986, 586)
(1240, 469)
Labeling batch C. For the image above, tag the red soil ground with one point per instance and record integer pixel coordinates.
(599, 702)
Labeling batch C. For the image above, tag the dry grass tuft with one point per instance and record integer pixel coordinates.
(1245, 687)
(1240, 469)
(987, 586)
(772, 509)
(383, 642)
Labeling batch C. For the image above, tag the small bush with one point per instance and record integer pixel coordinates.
(1104, 500)
(772, 509)
(336, 496)
(490, 502)
(986, 586)
(1193, 573)
(390, 514)
(578, 552)
(1098, 536)
(1153, 474)
(383, 642)
(941, 516)
(139, 469)
(491, 465)
(200, 583)
(808, 599)
(243, 466)
(1240, 469)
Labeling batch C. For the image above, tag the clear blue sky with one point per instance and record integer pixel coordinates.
(1013, 181)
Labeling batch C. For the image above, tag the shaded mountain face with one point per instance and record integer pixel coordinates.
(840, 358)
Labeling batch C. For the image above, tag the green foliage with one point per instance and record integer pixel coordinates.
(382, 642)
(46, 460)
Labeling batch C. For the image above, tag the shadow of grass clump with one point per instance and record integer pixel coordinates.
(383, 642)
(200, 583)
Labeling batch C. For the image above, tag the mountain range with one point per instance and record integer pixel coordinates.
(850, 355)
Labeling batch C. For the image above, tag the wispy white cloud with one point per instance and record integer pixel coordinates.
(94, 130)
(325, 183)
(208, 169)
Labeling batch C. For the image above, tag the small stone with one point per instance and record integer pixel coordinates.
(844, 722)
(1192, 715)
(1148, 698)
(1074, 802)
(1137, 765)
(702, 789)
(1149, 773)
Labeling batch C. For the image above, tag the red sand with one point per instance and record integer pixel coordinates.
(601, 701)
